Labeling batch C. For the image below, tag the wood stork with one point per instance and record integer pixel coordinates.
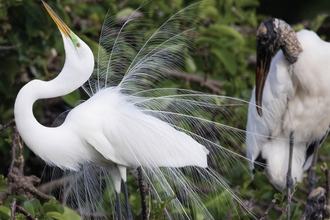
(289, 113)
(316, 205)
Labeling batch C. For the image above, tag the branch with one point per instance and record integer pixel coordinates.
(54, 184)
(18, 183)
(24, 212)
(280, 191)
(210, 84)
(4, 127)
(270, 207)
(9, 47)
(290, 200)
(13, 208)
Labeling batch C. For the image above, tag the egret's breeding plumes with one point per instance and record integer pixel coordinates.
(175, 135)
(292, 93)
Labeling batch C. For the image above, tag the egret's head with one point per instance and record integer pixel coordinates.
(272, 35)
(76, 50)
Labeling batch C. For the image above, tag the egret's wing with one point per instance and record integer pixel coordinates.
(133, 62)
(155, 129)
(278, 89)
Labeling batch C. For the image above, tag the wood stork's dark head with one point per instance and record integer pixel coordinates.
(316, 205)
(272, 35)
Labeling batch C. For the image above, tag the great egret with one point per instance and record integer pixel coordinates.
(292, 92)
(128, 123)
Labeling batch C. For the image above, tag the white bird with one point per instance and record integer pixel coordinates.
(292, 94)
(124, 126)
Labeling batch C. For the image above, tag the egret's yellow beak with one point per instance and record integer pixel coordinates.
(60, 24)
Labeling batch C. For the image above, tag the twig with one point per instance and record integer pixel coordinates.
(210, 84)
(280, 191)
(122, 4)
(4, 127)
(13, 156)
(7, 192)
(20, 159)
(54, 184)
(9, 47)
(24, 212)
(270, 207)
(26, 183)
(289, 200)
(18, 183)
(13, 208)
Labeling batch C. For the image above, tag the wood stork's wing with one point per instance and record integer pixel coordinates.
(278, 89)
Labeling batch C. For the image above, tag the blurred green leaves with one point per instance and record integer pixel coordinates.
(49, 210)
(31, 48)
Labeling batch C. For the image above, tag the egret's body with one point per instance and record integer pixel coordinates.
(128, 123)
(295, 101)
(106, 129)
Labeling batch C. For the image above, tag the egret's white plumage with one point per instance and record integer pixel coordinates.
(129, 123)
(295, 99)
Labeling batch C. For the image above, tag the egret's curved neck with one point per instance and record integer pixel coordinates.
(51, 144)
(40, 139)
(30, 129)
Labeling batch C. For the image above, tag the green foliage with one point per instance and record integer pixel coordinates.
(30, 48)
(226, 46)
(280, 197)
(49, 210)
(3, 183)
(5, 212)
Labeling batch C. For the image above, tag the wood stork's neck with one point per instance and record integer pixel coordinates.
(288, 40)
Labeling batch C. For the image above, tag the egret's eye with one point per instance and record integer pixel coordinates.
(74, 40)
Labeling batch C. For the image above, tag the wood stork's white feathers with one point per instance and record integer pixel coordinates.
(295, 99)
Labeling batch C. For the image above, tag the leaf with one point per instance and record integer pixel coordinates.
(67, 214)
(212, 42)
(70, 214)
(72, 98)
(3, 183)
(4, 212)
(281, 198)
(227, 59)
(28, 206)
(54, 215)
(318, 21)
(225, 30)
(124, 13)
(11, 197)
(190, 65)
(36, 205)
(248, 3)
(50, 208)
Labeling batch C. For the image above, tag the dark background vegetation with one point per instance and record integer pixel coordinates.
(31, 47)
